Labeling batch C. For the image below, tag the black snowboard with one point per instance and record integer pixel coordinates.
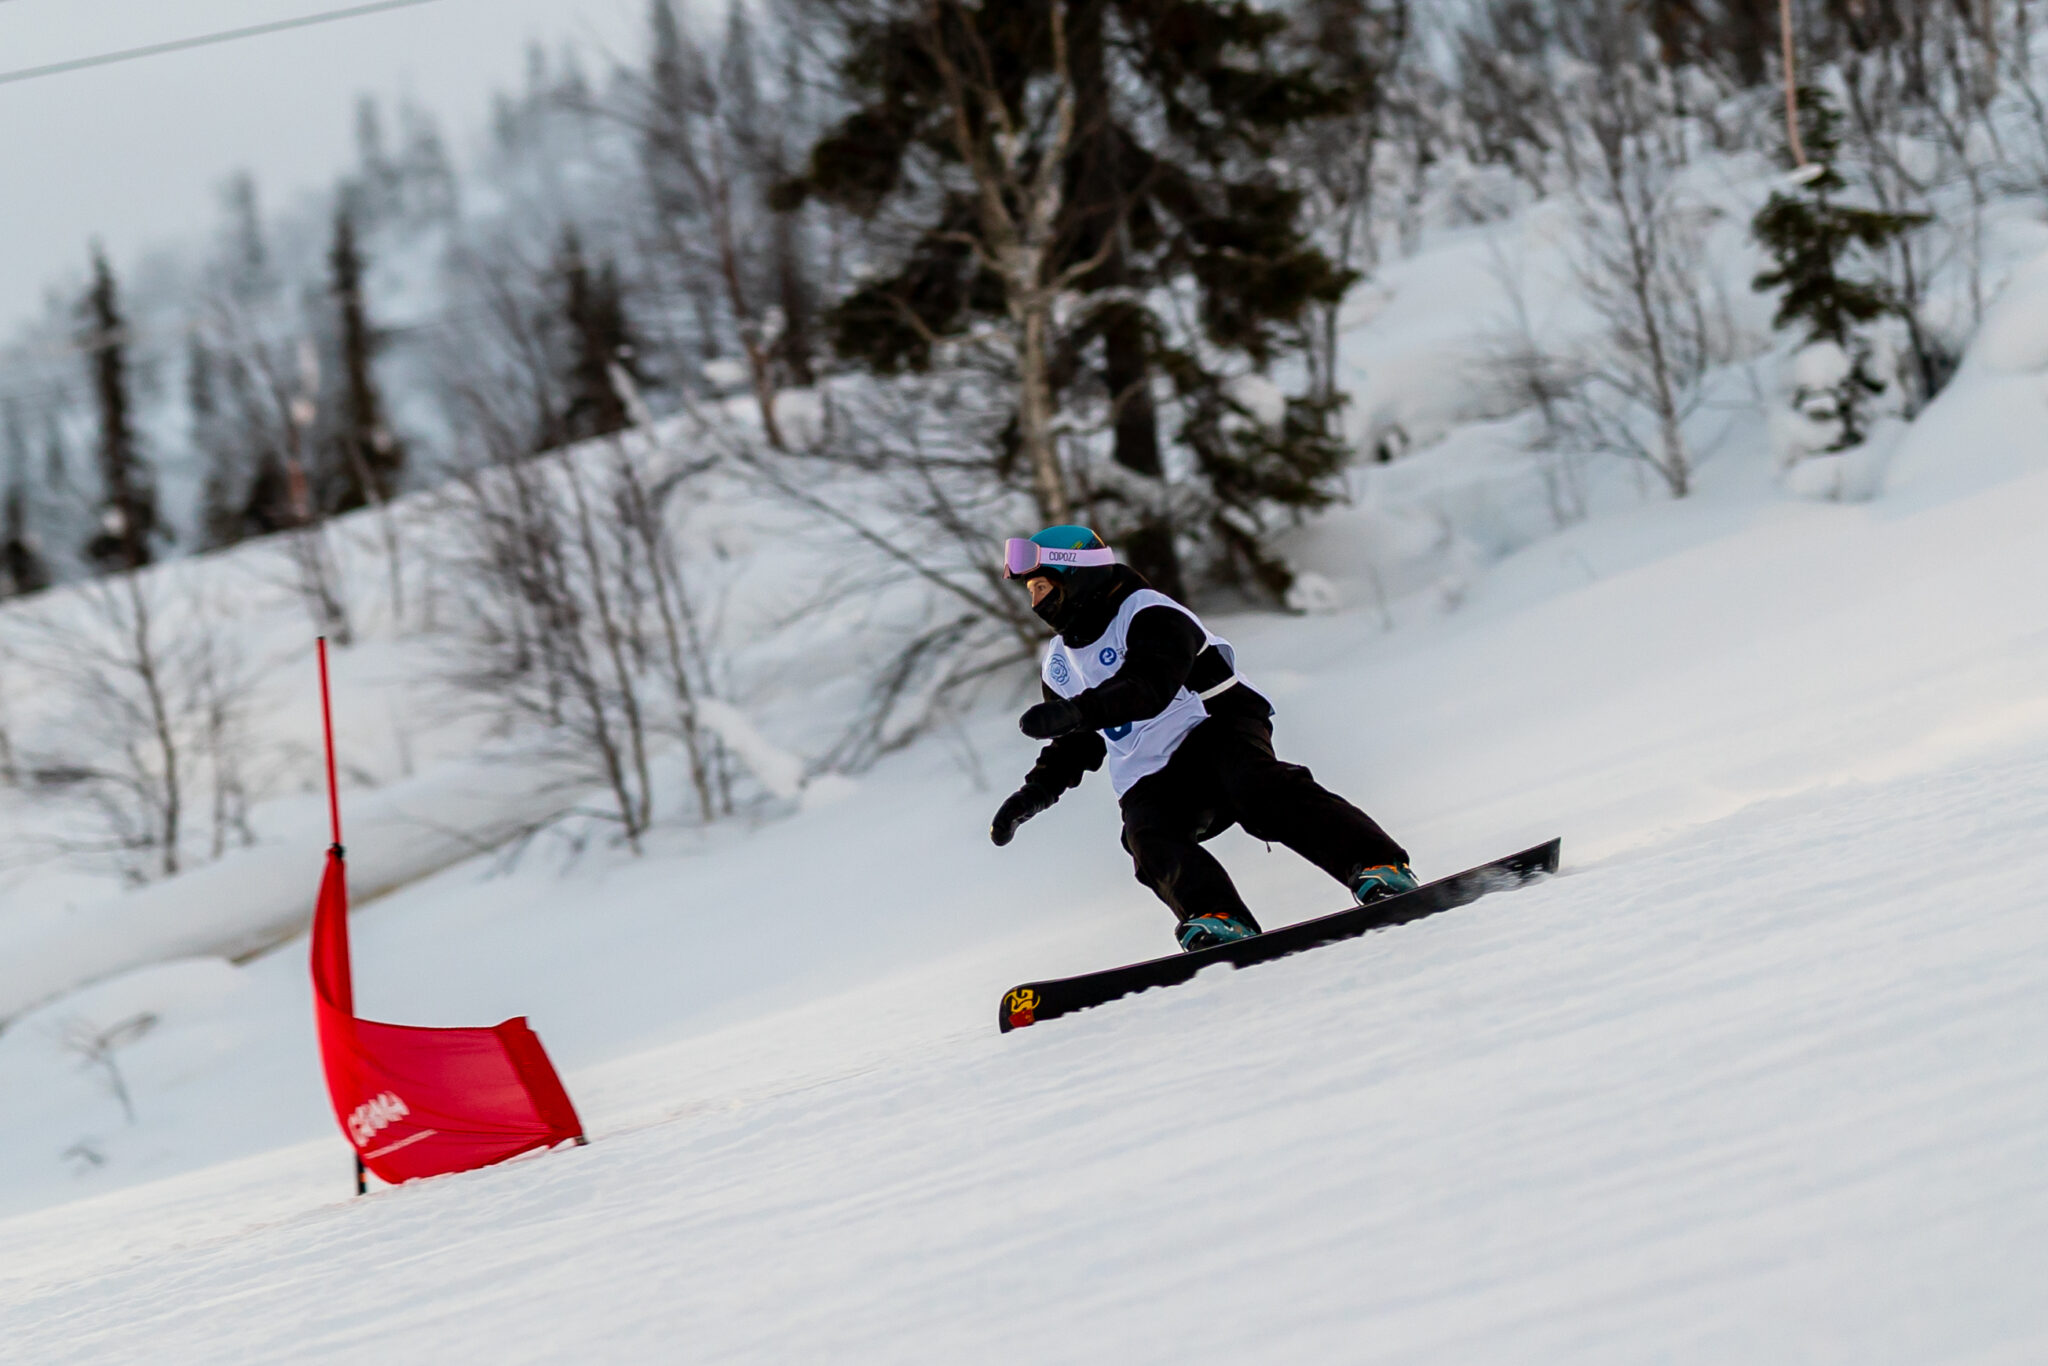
(1035, 1001)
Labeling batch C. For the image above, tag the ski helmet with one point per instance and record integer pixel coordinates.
(1023, 559)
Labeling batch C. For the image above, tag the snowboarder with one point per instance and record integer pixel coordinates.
(1134, 677)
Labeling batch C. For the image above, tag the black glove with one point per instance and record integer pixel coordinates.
(1019, 807)
(1050, 719)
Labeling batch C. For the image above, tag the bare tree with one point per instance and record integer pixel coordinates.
(1932, 101)
(714, 141)
(1362, 46)
(1955, 64)
(1876, 108)
(1508, 89)
(2026, 84)
(269, 377)
(1638, 266)
(901, 481)
(147, 712)
(10, 765)
(320, 582)
(580, 622)
(1533, 376)
(504, 368)
(640, 508)
(980, 193)
(96, 1048)
(1016, 188)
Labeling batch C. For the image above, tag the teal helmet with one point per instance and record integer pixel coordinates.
(1063, 538)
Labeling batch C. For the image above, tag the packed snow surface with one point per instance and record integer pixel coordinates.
(1757, 1078)
(1770, 1091)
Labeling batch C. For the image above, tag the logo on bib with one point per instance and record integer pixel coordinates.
(1118, 732)
(1108, 655)
(1058, 670)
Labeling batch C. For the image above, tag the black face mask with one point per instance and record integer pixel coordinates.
(1072, 592)
(1055, 606)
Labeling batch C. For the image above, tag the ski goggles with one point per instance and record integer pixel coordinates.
(1023, 557)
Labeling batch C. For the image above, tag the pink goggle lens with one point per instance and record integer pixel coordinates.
(1019, 557)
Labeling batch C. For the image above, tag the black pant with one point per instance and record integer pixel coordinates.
(1225, 774)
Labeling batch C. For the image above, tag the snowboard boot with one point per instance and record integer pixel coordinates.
(1217, 927)
(1380, 882)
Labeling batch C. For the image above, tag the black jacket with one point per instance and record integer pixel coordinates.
(1163, 653)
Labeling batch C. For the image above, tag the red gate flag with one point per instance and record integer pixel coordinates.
(421, 1102)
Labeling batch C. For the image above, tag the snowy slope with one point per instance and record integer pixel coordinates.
(1766, 1092)
(1756, 1079)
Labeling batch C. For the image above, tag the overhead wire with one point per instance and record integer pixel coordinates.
(186, 44)
(204, 40)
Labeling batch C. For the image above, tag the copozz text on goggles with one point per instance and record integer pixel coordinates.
(1021, 557)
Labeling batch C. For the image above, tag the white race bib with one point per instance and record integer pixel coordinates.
(1137, 749)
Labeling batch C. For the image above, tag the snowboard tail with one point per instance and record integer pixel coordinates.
(1035, 1001)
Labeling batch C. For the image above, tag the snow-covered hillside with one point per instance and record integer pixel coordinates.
(1757, 1078)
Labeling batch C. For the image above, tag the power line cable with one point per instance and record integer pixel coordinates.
(204, 40)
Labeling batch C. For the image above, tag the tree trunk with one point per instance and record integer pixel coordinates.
(1035, 406)
(1095, 206)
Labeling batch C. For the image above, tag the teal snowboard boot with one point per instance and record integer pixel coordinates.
(1217, 927)
(1380, 882)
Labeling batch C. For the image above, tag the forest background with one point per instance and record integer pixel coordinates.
(926, 274)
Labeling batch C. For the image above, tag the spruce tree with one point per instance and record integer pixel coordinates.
(600, 337)
(1811, 237)
(245, 255)
(1736, 36)
(220, 519)
(270, 504)
(367, 460)
(22, 569)
(676, 82)
(128, 509)
(795, 294)
(1177, 108)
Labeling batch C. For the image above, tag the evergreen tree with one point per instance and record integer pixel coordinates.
(1810, 237)
(1737, 36)
(367, 461)
(128, 524)
(1165, 185)
(432, 193)
(714, 140)
(795, 294)
(245, 256)
(676, 91)
(220, 513)
(56, 458)
(600, 336)
(22, 569)
(376, 186)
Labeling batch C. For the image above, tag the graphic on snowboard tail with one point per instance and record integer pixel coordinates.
(1036, 1001)
(1022, 1005)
